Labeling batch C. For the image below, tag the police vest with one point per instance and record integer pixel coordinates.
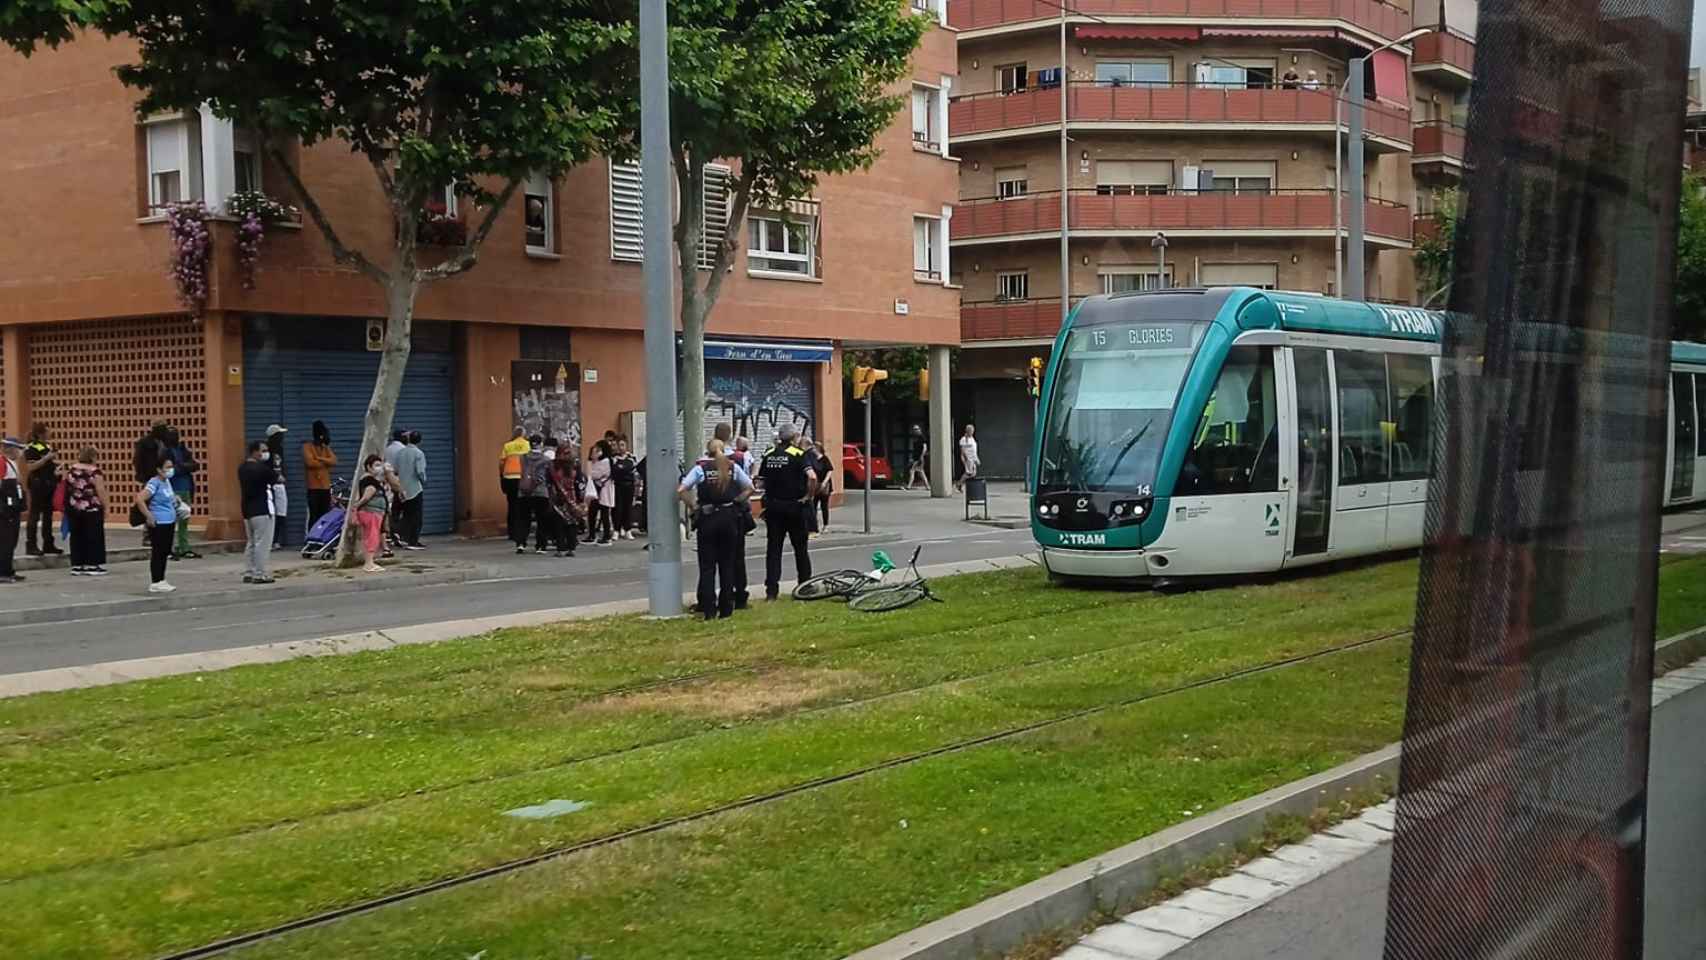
(785, 474)
(714, 490)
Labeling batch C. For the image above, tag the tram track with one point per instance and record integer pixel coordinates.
(630, 748)
(226, 945)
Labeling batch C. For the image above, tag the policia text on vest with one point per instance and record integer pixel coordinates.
(789, 484)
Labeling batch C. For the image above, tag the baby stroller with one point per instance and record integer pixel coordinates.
(328, 531)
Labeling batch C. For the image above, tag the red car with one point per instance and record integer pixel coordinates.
(853, 466)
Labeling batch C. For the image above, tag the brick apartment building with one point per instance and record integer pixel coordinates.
(97, 346)
(1212, 121)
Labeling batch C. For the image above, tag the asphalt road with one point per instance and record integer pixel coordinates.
(28, 647)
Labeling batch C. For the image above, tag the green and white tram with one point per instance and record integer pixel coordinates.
(1225, 431)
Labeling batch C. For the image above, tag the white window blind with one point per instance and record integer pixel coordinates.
(926, 261)
(1242, 168)
(537, 204)
(174, 161)
(246, 157)
(1263, 275)
(627, 213)
(1133, 176)
(924, 100)
(714, 214)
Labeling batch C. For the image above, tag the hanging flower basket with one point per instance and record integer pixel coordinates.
(192, 251)
(438, 228)
(254, 212)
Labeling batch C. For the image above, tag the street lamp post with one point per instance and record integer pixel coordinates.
(1065, 184)
(1352, 91)
(1159, 245)
(663, 564)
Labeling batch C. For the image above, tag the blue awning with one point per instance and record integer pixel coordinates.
(779, 351)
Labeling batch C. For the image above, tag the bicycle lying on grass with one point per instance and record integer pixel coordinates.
(845, 583)
(904, 594)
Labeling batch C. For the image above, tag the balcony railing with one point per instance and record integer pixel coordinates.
(1009, 319)
(1444, 49)
(1381, 19)
(1171, 209)
(1440, 138)
(1164, 103)
(1426, 226)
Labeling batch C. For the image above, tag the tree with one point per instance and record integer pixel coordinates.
(1434, 251)
(1690, 310)
(785, 91)
(468, 95)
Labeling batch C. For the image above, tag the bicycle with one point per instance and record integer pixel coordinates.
(845, 583)
(894, 597)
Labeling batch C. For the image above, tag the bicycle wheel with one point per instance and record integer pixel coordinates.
(888, 598)
(836, 583)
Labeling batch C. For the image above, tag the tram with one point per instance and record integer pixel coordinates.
(1229, 430)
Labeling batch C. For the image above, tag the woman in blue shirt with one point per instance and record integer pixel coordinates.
(159, 506)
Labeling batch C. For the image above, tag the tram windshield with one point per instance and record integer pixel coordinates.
(1114, 393)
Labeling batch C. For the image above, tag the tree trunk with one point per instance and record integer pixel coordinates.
(689, 230)
(387, 386)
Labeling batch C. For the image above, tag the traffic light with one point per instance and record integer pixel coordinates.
(864, 378)
(1034, 377)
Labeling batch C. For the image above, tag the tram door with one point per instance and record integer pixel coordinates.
(1682, 437)
(1364, 452)
(1313, 421)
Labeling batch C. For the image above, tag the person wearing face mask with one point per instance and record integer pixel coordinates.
(254, 485)
(280, 498)
(371, 504)
(536, 489)
(159, 507)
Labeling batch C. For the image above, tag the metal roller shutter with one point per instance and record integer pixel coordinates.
(295, 386)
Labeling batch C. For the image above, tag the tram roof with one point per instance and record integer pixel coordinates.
(1270, 309)
(1684, 352)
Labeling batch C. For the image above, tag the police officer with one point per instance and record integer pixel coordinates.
(717, 491)
(790, 483)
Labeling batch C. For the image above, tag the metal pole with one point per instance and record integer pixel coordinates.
(870, 463)
(1065, 195)
(1161, 267)
(662, 459)
(1356, 288)
(1339, 191)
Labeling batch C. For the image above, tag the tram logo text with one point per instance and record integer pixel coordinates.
(1084, 539)
(1400, 320)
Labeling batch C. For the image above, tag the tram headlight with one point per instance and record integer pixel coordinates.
(1138, 510)
(1119, 509)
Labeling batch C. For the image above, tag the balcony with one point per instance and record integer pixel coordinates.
(1439, 149)
(1426, 226)
(1373, 17)
(1207, 213)
(1445, 58)
(1166, 106)
(1009, 319)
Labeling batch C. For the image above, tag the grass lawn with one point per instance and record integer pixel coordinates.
(165, 814)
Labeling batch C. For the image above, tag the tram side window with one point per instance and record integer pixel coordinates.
(1364, 449)
(1236, 445)
(1412, 383)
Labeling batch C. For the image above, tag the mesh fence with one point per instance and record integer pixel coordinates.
(1521, 803)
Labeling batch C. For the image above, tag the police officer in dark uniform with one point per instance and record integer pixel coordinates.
(790, 483)
(716, 490)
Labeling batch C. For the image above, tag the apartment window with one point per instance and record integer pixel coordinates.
(925, 103)
(1131, 279)
(246, 156)
(1133, 177)
(538, 205)
(1263, 276)
(1124, 73)
(174, 160)
(1242, 176)
(1010, 78)
(627, 213)
(1253, 74)
(1013, 285)
(1012, 182)
(926, 248)
(783, 242)
(924, 6)
(713, 213)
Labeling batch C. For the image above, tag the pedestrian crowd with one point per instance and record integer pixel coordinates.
(556, 500)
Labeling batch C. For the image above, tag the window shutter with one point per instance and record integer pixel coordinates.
(714, 217)
(627, 213)
(1157, 173)
(1264, 275)
(1242, 168)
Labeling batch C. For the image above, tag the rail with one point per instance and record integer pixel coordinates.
(1444, 48)
(1440, 138)
(1385, 20)
(1093, 101)
(1170, 208)
(1010, 319)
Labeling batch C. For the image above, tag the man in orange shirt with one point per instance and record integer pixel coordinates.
(509, 476)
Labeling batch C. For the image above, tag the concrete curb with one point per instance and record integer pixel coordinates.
(62, 561)
(124, 671)
(155, 603)
(1067, 897)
